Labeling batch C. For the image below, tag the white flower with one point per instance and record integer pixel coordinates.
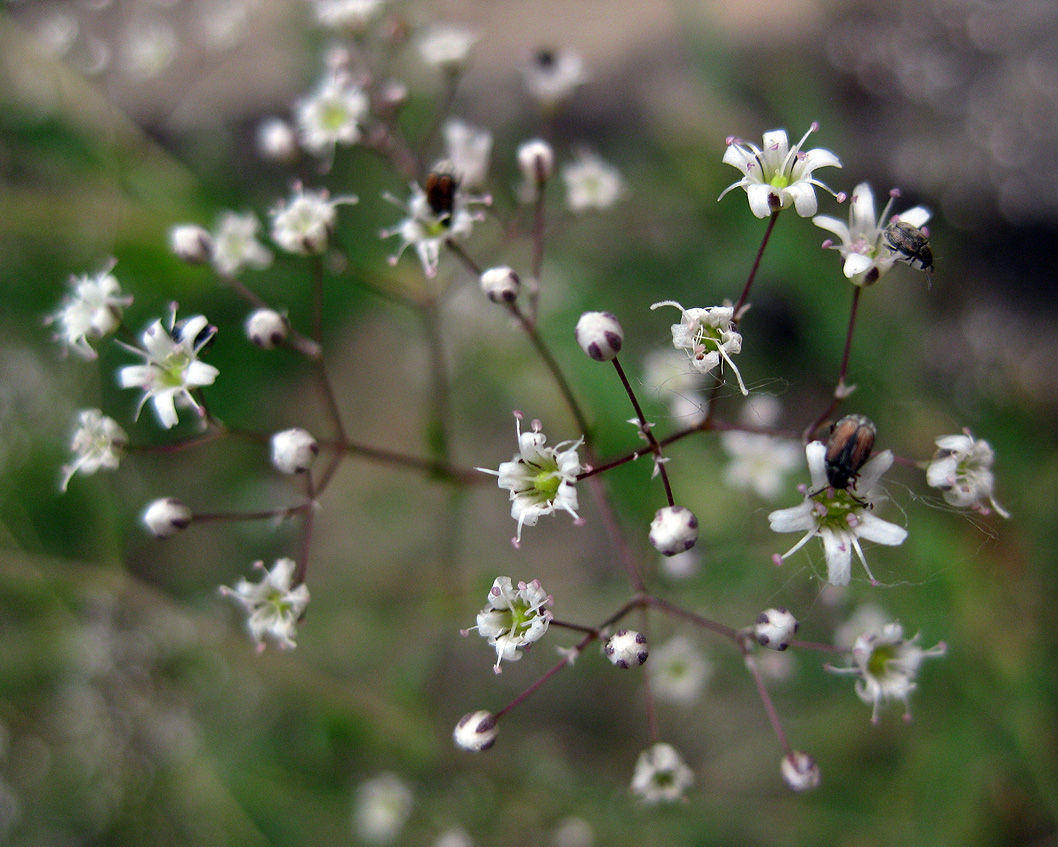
(276, 141)
(863, 247)
(381, 808)
(166, 517)
(591, 183)
(661, 776)
(759, 462)
(777, 176)
(98, 443)
(799, 771)
(841, 517)
(541, 479)
(235, 244)
(303, 224)
(273, 605)
(294, 450)
(191, 243)
(512, 620)
(962, 469)
(266, 328)
(885, 665)
(500, 284)
(447, 47)
(435, 215)
(91, 310)
(172, 369)
(600, 335)
(467, 149)
(679, 671)
(709, 337)
(626, 649)
(351, 16)
(333, 114)
(674, 530)
(775, 628)
(552, 77)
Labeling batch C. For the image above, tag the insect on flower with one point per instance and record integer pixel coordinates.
(441, 193)
(910, 244)
(848, 447)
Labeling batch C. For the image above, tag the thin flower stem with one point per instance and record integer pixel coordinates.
(216, 430)
(464, 257)
(818, 646)
(306, 532)
(649, 703)
(537, 266)
(263, 515)
(295, 340)
(576, 627)
(840, 392)
(645, 429)
(756, 264)
(431, 319)
(769, 706)
(705, 623)
(432, 467)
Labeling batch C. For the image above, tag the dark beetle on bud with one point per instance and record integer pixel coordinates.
(441, 193)
(910, 244)
(848, 447)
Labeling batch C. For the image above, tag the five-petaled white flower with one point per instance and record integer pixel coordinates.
(436, 215)
(303, 224)
(513, 619)
(98, 443)
(962, 469)
(841, 517)
(591, 183)
(661, 775)
(333, 114)
(885, 665)
(91, 310)
(172, 370)
(553, 75)
(235, 244)
(273, 605)
(447, 47)
(867, 257)
(759, 462)
(468, 149)
(776, 175)
(709, 337)
(541, 479)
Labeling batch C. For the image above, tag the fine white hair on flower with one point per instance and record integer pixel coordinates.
(861, 242)
(776, 175)
(542, 480)
(708, 336)
(840, 517)
(513, 618)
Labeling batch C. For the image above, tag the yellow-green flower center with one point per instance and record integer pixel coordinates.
(546, 483)
(876, 665)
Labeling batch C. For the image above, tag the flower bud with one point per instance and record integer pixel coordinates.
(775, 628)
(266, 328)
(626, 648)
(799, 771)
(536, 159)
(191, 243)
(599, 335)
(673, 530)
(500, 284)
(276, 141)
(476, 731)
(294, 450)
(166, 517)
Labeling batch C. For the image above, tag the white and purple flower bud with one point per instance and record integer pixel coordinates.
(536, 160)
(191, 243)
(500, 284)
(775, 628)
(626, 648)
(599, 335)
(800, 771)
(166, 517)
(476, 731)
(266, 328)
(673, 530)
(294, 450)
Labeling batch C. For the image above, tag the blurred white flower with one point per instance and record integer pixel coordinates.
(759, 462)
(351, 16)
(591, 183)
(467, 150)
(552, 76)
(332, 114)
(273, 606)
(447, 47)
(98, 443)
(235, 244)
(381, 807)
(661, 776)
(304, 223)
(679, 671)
(91, 310)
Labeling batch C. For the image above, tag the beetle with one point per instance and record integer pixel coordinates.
(441, 187)
(910, 244)
(848, 447)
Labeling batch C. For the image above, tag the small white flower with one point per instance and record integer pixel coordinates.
(277, 141)
(776, 176)
(683, 565)
(166, 517)
(303, 224)
(536, 161)
(172, 369)
(962, 469)
(541, 479)
(661, 776)
(191, 243)
(351, 16)
(273, 605)
(333, 114)
(759, 462)
(381, 808)
(476, 731)
(266, 328)
(235, 244)
(709, 337)
(552, 77)
(435, 215)
(799, 771)
(91, 310)
(679, 671)
(447, 47)
(294, 450)
(467, 149)
(98, 443)
(513, 619)
(775, 628)
(866, 256)
(885, 665)
(840, 517)
(626, 648)
(591, 183)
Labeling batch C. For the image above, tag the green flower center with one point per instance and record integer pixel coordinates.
(779, 180)
(173, 368)
(334, 116)
(838, 507)
(546, 482)
(876, 665)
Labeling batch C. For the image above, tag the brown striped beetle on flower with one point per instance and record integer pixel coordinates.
(910, 244)
(848, 447)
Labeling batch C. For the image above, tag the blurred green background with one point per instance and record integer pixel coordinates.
(133, 710)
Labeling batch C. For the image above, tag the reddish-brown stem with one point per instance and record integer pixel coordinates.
(645, 429)
(839, 390)
(697, 620)
(769, 706)
(756, 263)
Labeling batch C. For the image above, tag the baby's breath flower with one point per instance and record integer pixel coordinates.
(500, 284)
(333, 114)
(866, 256)
(304, 223)
(759, 462)
(885, 665)
(626, 648)
(349, 16)
(775, 628)
(552, 77)
(467, 149)
(166, 517)
(172, 369)
(91, 310)
(600, 335)
(776, 176)
(294, 450)
(674, 530)
(273, 605)
(191, 243)
(799, 771)
(661, 776)
(962, 469)
(266, 328)
(98, 443)
(513, 619)
(679, 671)
(447, 47)
(381, 808)
(476, 731)
(536, 161)
(235, 244)
(840, 517)
(709, 337)
(541, 479)
(276, 141)
(591, 183)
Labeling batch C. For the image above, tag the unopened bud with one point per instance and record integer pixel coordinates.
(294, 450)
(626, 648)
(799, 771)
(536, 159)
(500, 284)
(599, 335)
(476, 731)
(673, 530)
(166, 517)
(266, 328)
(191, 243)
(775, 628)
